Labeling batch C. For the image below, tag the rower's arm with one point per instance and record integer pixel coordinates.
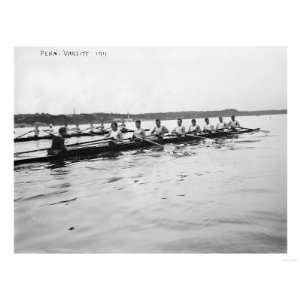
(165, 130)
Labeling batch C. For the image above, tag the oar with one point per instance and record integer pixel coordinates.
(89, 128)
(150, 142)
(68, 145)
(47, 131)
(195, 136)
(264, 131)
(24, 134)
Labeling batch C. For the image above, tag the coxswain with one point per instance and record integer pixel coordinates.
(115, 134)
(139, 133)
(58, 142)
(159, 130)
(234, 124)
(208, 127)
(194, 128)
(36, 131)
(179, 130)
(221, 125)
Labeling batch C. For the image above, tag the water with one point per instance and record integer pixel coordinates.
(212, 197)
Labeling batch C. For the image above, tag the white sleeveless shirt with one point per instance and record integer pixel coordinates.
(209, 127)
(159, 130)
(179, 130)
(139, 133)
(195, 128)
(116, 134)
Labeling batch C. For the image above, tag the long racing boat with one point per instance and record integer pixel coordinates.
(79, 134)
(88, 151)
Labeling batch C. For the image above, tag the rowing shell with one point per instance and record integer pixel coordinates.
(94, 150)
(49, 137)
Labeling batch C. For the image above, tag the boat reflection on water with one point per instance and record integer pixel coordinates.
(57, 164)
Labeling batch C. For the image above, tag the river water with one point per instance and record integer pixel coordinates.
(226, 196)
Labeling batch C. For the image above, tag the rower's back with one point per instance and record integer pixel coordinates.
(58, 142)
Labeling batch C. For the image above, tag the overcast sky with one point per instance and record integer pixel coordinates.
(140, 80)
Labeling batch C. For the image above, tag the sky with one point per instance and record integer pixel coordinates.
(150, 79)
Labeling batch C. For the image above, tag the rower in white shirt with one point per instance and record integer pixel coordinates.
(208, 127)
(179, 130)
(115, 134)
(50, 130)
(91, 127)
(159, 130)
(234, 124)
(67, 128)
(77, 129)
(221, 125)
(139, 133)
(194, 128)
(122, 125)
(36, 130)
(101, 127)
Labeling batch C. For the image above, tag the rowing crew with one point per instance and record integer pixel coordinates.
(160, 130)
(75, 130)
(115, 134)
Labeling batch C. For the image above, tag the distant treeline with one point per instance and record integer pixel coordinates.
(45, 119)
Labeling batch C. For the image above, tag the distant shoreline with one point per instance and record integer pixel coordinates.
(25, 120)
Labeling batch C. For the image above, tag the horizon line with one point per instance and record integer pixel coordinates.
(181, 111)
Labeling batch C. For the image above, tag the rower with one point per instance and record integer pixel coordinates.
(58, 142)
(234, 124)
(159, 130)
(139, 133)
(194, 128)
(221, 125)
(66, 127)
(36, 131)
(179, 130)
(115, 133)
(208, 127)
(122, 125)
(91, 127)
(77, 128)
(101, 127)
(51, 129)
